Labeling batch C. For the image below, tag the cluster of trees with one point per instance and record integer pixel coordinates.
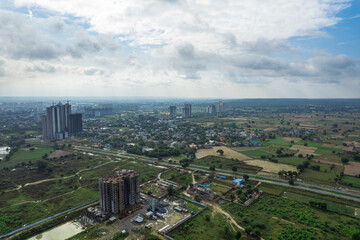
(320, 205)
(283, 173)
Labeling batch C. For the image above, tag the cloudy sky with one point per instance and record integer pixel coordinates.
(180, 48)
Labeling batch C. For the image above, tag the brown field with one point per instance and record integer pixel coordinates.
(270, 166)
(295, 139)
(304, 150)
(59, 153)
(269, 129)
(228, 153)
(352, 168)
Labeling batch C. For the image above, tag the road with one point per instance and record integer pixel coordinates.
(340, 193)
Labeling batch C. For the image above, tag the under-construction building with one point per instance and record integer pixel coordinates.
(120, 192)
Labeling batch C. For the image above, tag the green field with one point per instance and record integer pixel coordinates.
(155, 190)
(271, 215)
(354, 181)
(23, 156)
(200, 228)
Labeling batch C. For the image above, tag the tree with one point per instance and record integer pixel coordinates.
(234, 168)
(220, 151)
(170, 190)
(356, 236)
(207, 217)
(197, 198)
(248, 230)
(291, 181)
(212, 168)
(344, 160)
(238, 235)
(246, 177)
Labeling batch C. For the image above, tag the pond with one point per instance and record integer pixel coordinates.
(61, 232)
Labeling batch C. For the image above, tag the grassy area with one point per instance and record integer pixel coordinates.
(183, 179)
(170, 174)
(257, 153)
(146, 172)
(155, 190)
(271, 189)
(324, 176)
(91, 233)
(200, 228)
(354, 181)
(271, 215)
(25, 155)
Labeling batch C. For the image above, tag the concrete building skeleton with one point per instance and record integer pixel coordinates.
(120, 192)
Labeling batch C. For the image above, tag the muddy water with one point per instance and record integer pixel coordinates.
(61, 232)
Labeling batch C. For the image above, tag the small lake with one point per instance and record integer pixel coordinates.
(61, 232)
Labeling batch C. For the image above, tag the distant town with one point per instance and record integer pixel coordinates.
(201, 169)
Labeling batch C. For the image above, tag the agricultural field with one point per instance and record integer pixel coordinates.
(352, 169)
(228, 153)
(303, 150)
(228, 164)
(270, 167)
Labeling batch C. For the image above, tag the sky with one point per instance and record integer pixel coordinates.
(180, 48)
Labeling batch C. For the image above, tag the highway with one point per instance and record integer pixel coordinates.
(350, 194)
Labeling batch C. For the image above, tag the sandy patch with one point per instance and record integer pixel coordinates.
(295, 139)
(59, 153)
(303, 150)
(352, 168)
(228, 153)
(270, 166)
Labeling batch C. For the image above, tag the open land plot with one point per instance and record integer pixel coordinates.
(228, 153)
(228, 164)
(28, 205)
(59, 153)
(295, 139)
(277, 215)
(183, 179)
(146, 171)
(352, 169)
(324, 176)
(256, 153)
(270, 166)
(25, 155)
(170, 174)
(200, 228)
(340, 208)
(155, 190)
(219, 188)
(303, 150)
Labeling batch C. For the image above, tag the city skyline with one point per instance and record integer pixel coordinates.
(247, 49)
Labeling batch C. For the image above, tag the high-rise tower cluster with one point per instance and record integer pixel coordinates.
(186, 111)
(59, 123)
(120, 192)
